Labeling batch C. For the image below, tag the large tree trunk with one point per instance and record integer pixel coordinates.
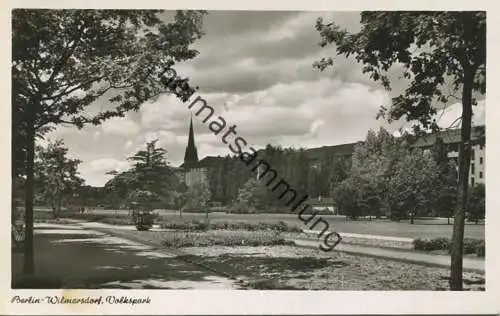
(29, 266)
(456, 283)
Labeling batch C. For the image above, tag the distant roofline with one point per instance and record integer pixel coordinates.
(344, 145)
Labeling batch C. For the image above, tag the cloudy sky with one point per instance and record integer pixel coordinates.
(257, 67)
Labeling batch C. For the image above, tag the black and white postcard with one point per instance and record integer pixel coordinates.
(250, 158)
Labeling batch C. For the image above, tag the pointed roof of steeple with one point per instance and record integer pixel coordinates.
(191, 154)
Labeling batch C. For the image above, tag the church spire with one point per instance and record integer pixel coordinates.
(191, 155)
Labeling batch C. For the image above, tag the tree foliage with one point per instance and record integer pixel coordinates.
(197, 197)
(445, 189)
(477, 203)
(435, 50)
(412, 185)
(149, 173)
(441, 53)
(251, 197)
(347, 197)
(65, 60)
(227, 176)
(388, 177)
(373, 165)
(57, 179)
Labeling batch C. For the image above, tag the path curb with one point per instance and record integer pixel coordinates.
(404, 260)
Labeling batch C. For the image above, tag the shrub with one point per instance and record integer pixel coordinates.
(241, 208)
(470, 245)
(144, 220)
(85, 216)
(193, 225)
(39, 215)
(224, 238)
(117, 221)
(431, 244)
(481, 249)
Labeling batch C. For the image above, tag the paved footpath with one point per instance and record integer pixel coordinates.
(73, 257)
(472, 265)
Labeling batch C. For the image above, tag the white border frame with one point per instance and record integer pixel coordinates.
(273, 302)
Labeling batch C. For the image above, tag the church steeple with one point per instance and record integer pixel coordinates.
(191, 155)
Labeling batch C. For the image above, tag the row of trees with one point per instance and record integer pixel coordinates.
(57, 181)
(231, 180)
(386, 176)
(59, 186)
(389, 177)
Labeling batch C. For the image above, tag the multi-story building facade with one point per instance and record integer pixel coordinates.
(451, 138)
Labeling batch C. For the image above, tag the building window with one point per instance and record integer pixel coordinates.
(480, 175)
(472, 154)
(481, 147)
(472, 181)
(472, 169)
(480, 160)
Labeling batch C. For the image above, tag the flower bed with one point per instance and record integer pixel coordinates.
(286, 267)
(176, 239)
(261, 259)
(224, 238)
(195, 225)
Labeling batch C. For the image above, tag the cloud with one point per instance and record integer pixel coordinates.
(120, 127)
(255, 68)
(128, 144)
(108, 164)
(451, 113)
(94, 171)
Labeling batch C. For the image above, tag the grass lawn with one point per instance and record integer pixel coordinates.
(423, 228)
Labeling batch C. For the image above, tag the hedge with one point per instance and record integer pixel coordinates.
(471, 246)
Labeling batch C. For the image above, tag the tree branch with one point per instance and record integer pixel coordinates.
(66, 55)
(452, 125)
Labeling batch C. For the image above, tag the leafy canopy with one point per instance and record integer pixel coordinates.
(57, 178)
(435, 49)
(150, 173)
(65, 60)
